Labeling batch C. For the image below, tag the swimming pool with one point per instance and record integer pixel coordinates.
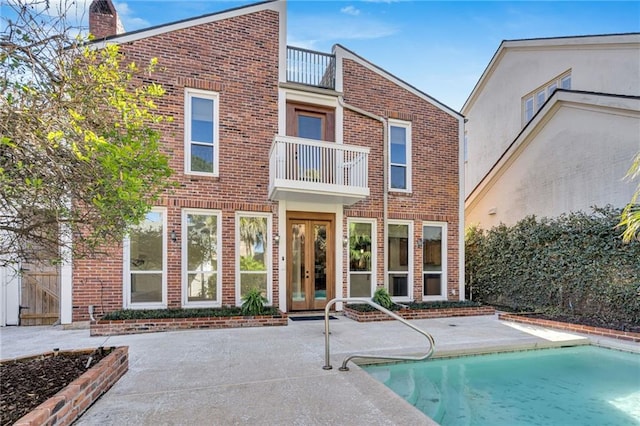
(583, 385)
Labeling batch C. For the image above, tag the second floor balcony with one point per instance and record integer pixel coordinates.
(317, 171)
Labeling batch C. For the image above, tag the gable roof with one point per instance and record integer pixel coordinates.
(276, 5)
(597, 100)
(547, 42)
(346, 53)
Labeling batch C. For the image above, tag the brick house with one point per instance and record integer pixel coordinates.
(307, 175)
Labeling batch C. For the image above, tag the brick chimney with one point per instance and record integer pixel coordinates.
(103, 19)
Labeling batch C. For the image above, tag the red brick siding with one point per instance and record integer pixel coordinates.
(577, 328)
(110, 328)
(414, 314)
(435, 166)
(242, 66)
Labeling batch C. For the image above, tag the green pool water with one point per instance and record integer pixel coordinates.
(584, 385)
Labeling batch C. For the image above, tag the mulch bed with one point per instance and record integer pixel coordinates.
(27, 384)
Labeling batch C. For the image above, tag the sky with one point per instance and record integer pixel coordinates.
(439, 47)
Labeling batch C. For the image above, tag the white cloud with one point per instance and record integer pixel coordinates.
(321, 31)
(350, 10)
(128, 18)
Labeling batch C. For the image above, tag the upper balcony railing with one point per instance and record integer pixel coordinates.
(311, 68)
(309, 170)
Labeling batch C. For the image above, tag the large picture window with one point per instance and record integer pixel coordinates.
(400, 259)
(201, 132)
(362, 234)
(399, 155)
(201, 258)
(434, 261)
(145, 263)
(253, 254)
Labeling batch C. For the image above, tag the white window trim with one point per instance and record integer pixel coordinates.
(443, 279)
(374, 256)
(269, 254)
(188, 94)
(406, 125)
(126, 271)
(410, 249)
(185, 264)
(546, 89)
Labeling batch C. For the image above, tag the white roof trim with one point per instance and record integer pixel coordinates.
(600, 102)
(342, 53)
(550, 43)
(278, 6)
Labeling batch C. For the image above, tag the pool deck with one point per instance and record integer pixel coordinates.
(274, 376)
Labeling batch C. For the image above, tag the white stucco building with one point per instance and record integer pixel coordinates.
(553, 126)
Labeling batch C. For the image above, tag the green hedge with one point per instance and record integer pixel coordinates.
(574, 265)
(127, 314)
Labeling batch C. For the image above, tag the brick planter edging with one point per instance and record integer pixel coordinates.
(598, 331)
(137, 326)
(69, 403)
(413, 314)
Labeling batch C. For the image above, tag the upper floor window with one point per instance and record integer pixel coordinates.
(533, 101)
(201, 132)
(399, 155)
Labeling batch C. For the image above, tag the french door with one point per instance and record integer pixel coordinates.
(310, 260)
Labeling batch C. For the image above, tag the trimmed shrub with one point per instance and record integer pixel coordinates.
(127, 314)
(361, 307)
(574, 265)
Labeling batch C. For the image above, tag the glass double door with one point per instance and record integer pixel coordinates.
(310, 265)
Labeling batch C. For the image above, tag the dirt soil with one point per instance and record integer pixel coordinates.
(25, 385)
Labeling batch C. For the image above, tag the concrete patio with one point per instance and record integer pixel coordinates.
(269, 376)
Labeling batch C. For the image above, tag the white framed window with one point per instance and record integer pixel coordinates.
(361, 274)
(145, 263)
(253, 254)
(532, 102)
(201, 258)
(434, 261)
(201, 132)
(400, 259)
(399, 156)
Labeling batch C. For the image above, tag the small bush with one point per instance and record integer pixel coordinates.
(253, 302)
(131, 314)
(382, 298)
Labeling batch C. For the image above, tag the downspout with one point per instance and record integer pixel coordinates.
(385, 171)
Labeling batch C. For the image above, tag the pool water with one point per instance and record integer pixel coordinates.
(584, 385)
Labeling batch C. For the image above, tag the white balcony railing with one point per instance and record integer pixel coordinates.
(310, 170)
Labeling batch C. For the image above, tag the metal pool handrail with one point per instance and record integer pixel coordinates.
(327, 361)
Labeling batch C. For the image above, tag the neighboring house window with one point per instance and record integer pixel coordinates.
(201, 132)
(145, 264)
(253, 254)
(201, 260)
(400, 155)
(400, 259)
(532, 102)
(362, 233)
(434, 261)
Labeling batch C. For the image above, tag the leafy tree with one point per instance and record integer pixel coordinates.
(630, 218)
(79, 145)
